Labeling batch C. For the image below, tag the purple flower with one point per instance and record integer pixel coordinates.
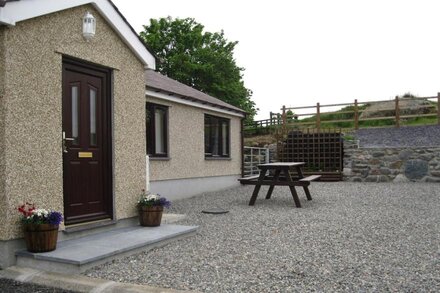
(164, 202)
(55, 218)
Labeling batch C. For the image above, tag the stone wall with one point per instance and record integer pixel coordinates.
(391, 164)
(273, 157)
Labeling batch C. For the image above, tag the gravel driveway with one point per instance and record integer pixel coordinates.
(358, 237)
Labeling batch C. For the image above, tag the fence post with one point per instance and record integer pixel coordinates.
(271, 118)
(397, 112)
(438, 108)
(284, 119)
(318, 116)
(356, 115)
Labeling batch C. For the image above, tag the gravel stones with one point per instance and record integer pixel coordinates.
(409, 136)
(352, 237)
(11, 286)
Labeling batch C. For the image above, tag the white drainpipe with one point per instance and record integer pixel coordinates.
(147, 177)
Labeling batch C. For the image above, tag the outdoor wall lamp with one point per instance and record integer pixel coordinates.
(89, 26)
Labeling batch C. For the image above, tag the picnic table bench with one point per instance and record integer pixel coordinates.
(278, 180)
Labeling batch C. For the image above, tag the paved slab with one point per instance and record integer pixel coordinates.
(77, 255)
(73, 283)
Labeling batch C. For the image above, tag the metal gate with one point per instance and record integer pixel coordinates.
(322, 151)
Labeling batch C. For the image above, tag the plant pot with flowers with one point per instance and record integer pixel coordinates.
(151, 208)
(40, 227)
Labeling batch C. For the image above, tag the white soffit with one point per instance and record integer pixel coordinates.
(174, 98)
(17, 11)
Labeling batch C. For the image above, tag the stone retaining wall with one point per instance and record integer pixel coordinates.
(391, 164)
(272, 152)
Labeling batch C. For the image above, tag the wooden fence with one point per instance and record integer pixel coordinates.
(264, 126)
(354, 115)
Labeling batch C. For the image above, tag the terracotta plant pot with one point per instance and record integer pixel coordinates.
(150, 216)
(40, 237)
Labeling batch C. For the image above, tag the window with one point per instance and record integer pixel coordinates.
(157, 128)
(216, 136)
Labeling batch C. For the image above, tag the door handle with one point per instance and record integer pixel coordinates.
(64, 142)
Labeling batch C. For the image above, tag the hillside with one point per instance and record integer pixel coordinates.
(408, 106)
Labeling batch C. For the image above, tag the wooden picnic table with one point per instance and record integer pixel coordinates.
(278, 180)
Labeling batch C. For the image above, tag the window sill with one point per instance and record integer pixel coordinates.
(217, 159)
(160, 158)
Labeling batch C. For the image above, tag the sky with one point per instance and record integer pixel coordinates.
(298, 53)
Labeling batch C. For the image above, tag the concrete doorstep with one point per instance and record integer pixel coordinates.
(78, 255)
(76, 283)
(60, 268)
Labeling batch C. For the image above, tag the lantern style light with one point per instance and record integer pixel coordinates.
(89, 26)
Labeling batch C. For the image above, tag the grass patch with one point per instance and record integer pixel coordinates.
(419, 121)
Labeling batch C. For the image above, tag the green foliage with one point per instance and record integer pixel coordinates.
(290, 116)
(348, 137)
(420, 121)
(337, 116)
(202, 60)
(408, 95)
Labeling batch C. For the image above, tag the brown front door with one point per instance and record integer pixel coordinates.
(86, 143)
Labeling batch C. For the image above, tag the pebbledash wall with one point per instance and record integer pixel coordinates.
(3, 214)
(391, 164)
(30, 112)
(186, 171)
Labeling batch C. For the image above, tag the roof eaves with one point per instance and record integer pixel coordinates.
(132, 29)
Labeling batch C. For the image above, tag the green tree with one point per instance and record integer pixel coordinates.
(202, 60)
(290, 116)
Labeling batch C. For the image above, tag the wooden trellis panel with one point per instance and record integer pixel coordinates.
(321, 149)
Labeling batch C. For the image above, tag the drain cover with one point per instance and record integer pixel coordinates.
(215, 211)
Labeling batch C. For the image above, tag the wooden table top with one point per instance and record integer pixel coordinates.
(281, 164)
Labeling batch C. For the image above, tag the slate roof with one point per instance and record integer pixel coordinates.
(160, 83)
